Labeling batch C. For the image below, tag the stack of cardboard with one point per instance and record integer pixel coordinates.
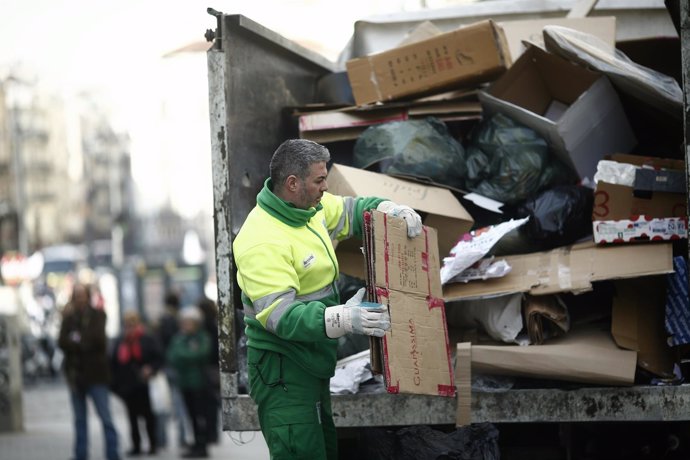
(479, 71)
(431, 73)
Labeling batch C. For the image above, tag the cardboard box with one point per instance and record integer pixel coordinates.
(587, 356)
(404, 273)
(640, 229)
(569, 269)
(531, 30)
(638, 323)
(443, 211)
(594, 123)
(470, 55)
(659, 191)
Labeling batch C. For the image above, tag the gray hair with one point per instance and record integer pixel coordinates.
(294, 157)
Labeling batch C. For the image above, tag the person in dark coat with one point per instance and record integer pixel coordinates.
(209, 311)
(83, 341)
(166, 329)
(136, 358)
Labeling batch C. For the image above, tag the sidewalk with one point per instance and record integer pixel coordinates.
(48, 432)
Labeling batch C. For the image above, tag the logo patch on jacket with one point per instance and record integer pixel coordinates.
(309, 261)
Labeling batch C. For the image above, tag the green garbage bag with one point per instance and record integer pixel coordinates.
(419, 148)
(509, 162)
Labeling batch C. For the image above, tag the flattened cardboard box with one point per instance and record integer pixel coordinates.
(404, 273)
(473, 54)
(569, 269)
(588, 356)
(443, 211)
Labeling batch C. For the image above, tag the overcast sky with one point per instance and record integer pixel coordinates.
(115, 48)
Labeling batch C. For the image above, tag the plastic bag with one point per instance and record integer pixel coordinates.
(650, 86)
(613, 172)
(475, 442)
(559, 216)
(418, 148)
(159, 394)
(500, 317)
(509, 162)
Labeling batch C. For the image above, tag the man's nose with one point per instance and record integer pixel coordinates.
(324, 186)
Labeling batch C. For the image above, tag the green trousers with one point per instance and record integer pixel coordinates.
(294, 408)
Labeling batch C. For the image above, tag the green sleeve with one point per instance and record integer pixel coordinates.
(363, 204)
(303, 322)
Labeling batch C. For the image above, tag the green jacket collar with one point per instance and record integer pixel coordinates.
(282, 210)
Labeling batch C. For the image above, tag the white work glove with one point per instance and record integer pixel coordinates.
(355, 318)
(412, 219)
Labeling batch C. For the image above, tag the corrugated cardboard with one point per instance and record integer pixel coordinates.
(638, 323)
(569, 269)
(443, 211)
(336, 125)
(587, 356)
(404, 273)
(531, 30)
(594, 125)
(470, 55)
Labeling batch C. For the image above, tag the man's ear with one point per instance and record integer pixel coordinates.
(291, 183)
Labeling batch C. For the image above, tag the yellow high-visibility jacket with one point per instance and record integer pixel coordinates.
(287, 271)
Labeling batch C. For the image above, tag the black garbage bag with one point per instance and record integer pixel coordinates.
(419, 148)
(559, 216)
(475, 442)
(509, 162)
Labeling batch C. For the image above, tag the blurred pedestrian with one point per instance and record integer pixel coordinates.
(83, 341)
(135, 359)
(210, 313)
(168, 326)
(189, 354)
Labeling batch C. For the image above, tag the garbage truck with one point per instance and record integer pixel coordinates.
(253, 74)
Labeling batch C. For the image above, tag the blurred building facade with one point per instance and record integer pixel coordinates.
(65, 173)
(40, 202)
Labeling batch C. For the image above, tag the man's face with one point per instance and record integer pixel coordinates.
(311, 189)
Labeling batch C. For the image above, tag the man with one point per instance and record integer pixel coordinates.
(287, 270)
(82, 339)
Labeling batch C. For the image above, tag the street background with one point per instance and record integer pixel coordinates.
(48, 431)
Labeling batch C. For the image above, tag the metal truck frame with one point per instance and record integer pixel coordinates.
(253, 74)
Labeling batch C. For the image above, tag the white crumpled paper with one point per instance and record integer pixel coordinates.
(349, 373)
(474, 246)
